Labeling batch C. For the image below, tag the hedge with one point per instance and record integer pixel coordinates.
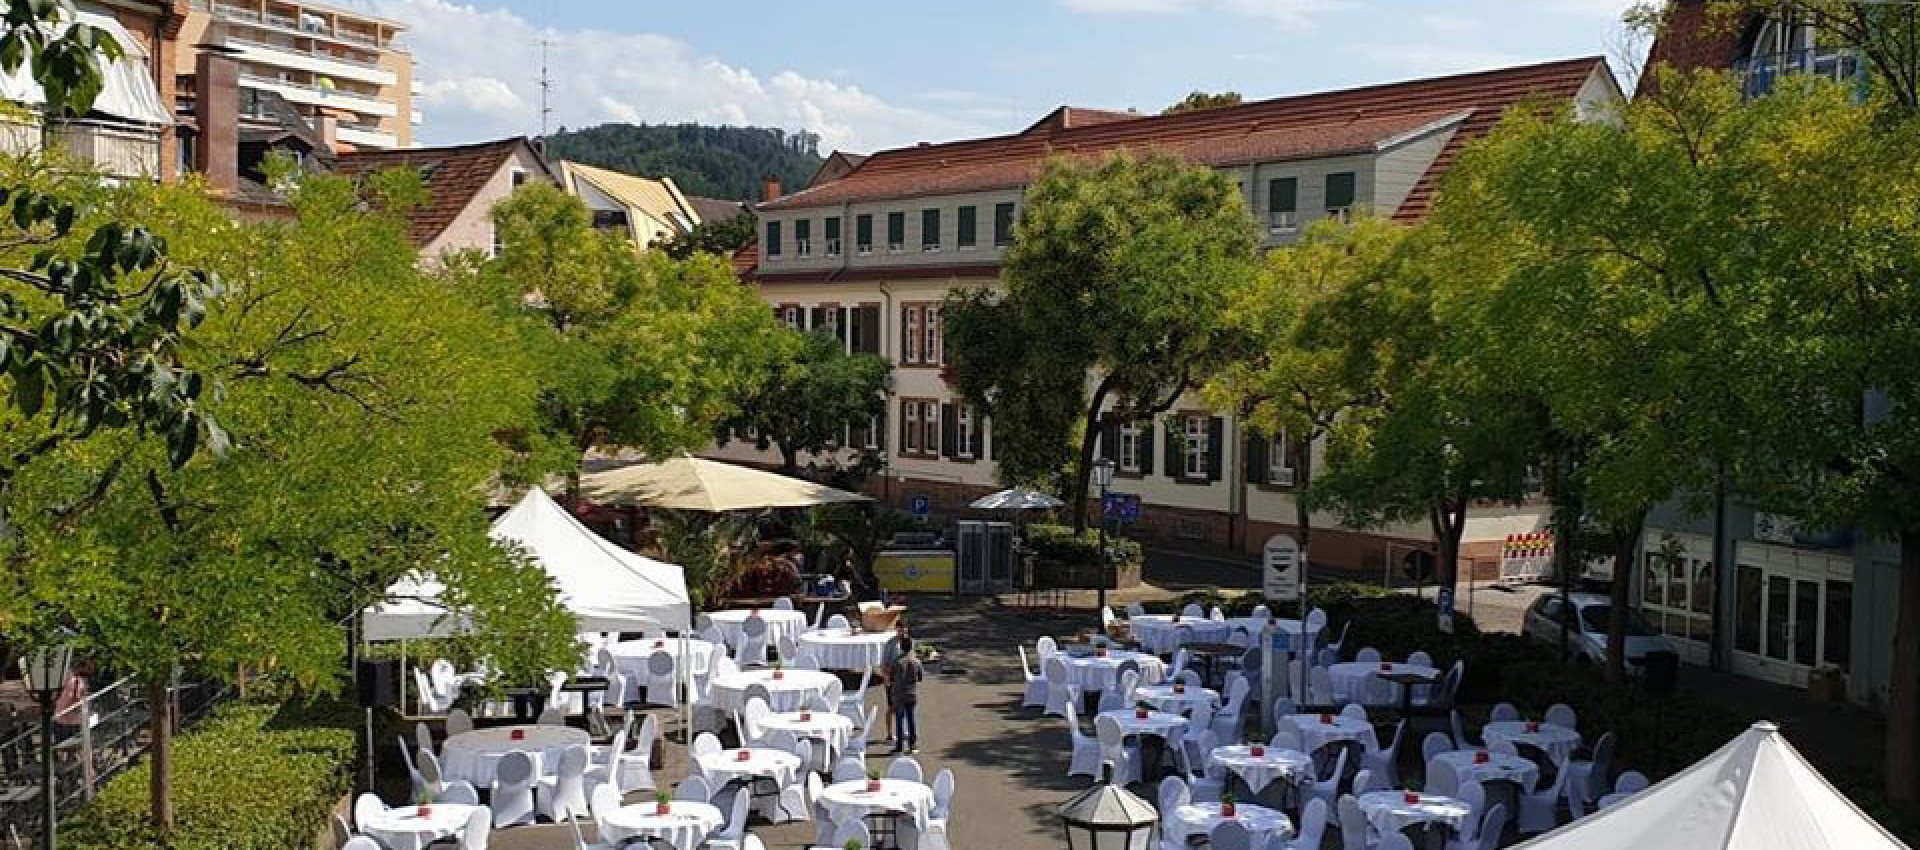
(251, 777)
(1059, 543)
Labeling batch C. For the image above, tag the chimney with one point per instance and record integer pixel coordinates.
(327, 125)
(770, 188)
(216, 84)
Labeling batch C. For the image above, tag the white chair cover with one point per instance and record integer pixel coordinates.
(564, 795)
(512, 796)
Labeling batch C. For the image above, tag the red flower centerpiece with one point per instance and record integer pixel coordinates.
(1140, 713)
(517, 735)
(1533, 726)
(423, 811)
(873, 782)
(1227, 808)
(1100, 652)
(662, 804)
(743, 755)
(1481, 757)
(806, 717)
(1176, 618)
(1179, 687)
(1412, 797)
(659, 644)
(1386, 665)
(1326, 718)
(1257, 751)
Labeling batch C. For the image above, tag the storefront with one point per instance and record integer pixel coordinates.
(1791, 612)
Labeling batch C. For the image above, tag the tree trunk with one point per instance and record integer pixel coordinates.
(1626, 546)
(1089, 435)
(1302, 517)
(160, 752)
(1903, 694)
(789, 458)
(1449, 524)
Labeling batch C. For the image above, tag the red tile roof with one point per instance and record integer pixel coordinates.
(452, 177)
(1694, 37)
(1303, 126)
(745, 260)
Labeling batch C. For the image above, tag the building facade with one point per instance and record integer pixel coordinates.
(462, 184)
(1799, 602)
(871, 250)
(646, 209)
(128, 134)
(334, 65)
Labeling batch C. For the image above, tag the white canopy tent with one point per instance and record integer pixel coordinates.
(608, 589)
(1755, 793)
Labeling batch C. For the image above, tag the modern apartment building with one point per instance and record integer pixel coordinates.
(872, 248)
(129, 132)
(334, 65)
(1797, 599)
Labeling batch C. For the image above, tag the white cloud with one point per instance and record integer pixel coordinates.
(479, 79)
(1291, 14)
(1428, 60)
(1444, 24)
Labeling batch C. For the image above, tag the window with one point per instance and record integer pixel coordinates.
(497, 245)
(930, 352)
(832, 228)
(863, 234)
(1283, 204)
(864, 434)
(1340, 195)
(1279, 463)
(792, 316)
(930, 425)
(963, 235)
(1130, 448)
(1195, 456)
(910, 354)
(929, 230)
(803, 237)
(773, 239)
(910, 427)
(963, 431)
(1002, 225)
(519, 177)
(896, 232)
(610, 219)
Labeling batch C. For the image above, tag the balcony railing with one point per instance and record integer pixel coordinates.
(289, 23)
(305, 51)
(119, 150)
(328, 93)
(1757, 74)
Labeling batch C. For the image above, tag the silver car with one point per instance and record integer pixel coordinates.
(1588, 639)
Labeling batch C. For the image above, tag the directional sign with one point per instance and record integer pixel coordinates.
(1285, 576)
(1124, 507)
(921, 505)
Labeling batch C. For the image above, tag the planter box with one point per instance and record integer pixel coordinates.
(1050, 574)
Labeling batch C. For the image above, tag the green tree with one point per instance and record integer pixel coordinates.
(719, 236)
(811, 392)
(1120, 271)
(1199, 100)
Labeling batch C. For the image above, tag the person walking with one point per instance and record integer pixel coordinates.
(903, 697)
(888, 655)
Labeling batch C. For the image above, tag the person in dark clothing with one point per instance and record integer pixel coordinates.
(903, 693)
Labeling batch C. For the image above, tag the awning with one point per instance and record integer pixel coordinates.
(127, 90)
(697, 484)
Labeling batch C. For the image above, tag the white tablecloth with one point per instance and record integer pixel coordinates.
(472, 756)
(851, 799)
(790, 692)
(403, 828)
(780, 624)
(1314, 734)
(1161, 696)
(1159, 723)
(1094, 673)
(839, 649)
(725, 766)
(833, 728)
(1389, 811)
(631, 657)
(1199, 819)
(1357, 681)
(1272, 764)
(1160, 634)
(1497, 767)
(1558, 741)
(686, 823)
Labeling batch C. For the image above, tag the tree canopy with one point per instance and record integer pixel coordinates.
(713, 162)
(812, 392)
(1199, 100)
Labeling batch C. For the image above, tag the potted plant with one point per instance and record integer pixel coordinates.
(873, 780)
(423, 804)
(1256, 749)
(662, 803)
(852, 844)
(1227, 809)
(1141, 710)
(778, 672)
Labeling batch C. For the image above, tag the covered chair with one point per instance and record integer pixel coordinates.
(1313, 826)
(1085, 754)
(512, 796)
(564, 794)
(1059, 692)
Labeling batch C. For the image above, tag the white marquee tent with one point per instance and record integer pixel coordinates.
(608, 589)
(1755, 793)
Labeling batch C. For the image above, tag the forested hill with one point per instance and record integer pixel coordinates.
(713, 162)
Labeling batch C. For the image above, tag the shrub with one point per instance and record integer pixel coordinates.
(252, 777)
(1059, 543)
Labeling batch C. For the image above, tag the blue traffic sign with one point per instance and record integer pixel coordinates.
(1124, 507)
(921, 505)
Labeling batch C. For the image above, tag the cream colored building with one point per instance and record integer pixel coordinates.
(330, 63)
(870, 253)
(648, 209)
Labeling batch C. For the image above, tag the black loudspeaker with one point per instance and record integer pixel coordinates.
(379, 683)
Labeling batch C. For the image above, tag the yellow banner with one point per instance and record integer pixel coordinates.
(925, 572)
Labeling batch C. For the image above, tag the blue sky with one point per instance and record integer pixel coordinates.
(870, 75)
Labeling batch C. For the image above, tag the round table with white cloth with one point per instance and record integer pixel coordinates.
(1160, 723)
(1314, 733)
(1260, 771)
(843, 649)
(1200, 818)
(1163, 697)
(1498, 767)
(472, 756)
(405, 828)
(789, 692)
(831, 727)
(1160, 634)
(1389, 811)
(1357, 681)
(1558, 741)
(844, 801)
(686, 823)
(1100, 672)
(630, 656)
(780, 624)
(726, 766)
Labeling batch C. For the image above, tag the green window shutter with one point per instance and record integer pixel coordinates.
(1340, 190)
(773, 239)
(978, 438)
(1283, 194)
(1176, 448)
(1109, 442)
(1216, 446)
(867, 320)
(803, 230)
(863, 232)
(929, 228)
(963, 229)
(880, 430)
(1257, 455)
(896, 229)
(1002, 224)
(1145, 451)
(832, 228)
(949, 431)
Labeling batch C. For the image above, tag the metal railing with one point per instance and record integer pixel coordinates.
(1758, 74)
(86, 755)
(305, 51)
(242, 13)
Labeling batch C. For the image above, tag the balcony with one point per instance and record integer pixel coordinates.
(316, 27)
(1758, 74)
(264, 52)
(366, 136)
(312, 95)
(119, 150)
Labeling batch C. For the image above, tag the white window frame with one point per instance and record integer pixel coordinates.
(911, 434)
(913, 338)
(1280, 471)
(963, 431)
(832, 317)
(930, 349)
(930, 420)
(794, 317)
(873, 433)
(1194, 463)
(1128, 452)
(1283, 221)
(803, 247)
(833, 247)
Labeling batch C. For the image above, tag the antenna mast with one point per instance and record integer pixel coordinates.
(546, 86)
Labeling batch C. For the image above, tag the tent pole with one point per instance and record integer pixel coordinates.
(403, 675)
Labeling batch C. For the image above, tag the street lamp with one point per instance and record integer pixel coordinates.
(45, 670)
(1103, 478)
(1108, 817)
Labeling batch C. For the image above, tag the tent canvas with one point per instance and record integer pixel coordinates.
(608, 589)
(698, 484)
(1755, 793)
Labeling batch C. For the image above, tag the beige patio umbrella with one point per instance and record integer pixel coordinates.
(696, 484)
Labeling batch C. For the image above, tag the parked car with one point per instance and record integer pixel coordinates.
(1588, 640)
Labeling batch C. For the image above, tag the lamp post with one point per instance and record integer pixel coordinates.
(1108, 817)
(46, 672)
(1103, 478)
